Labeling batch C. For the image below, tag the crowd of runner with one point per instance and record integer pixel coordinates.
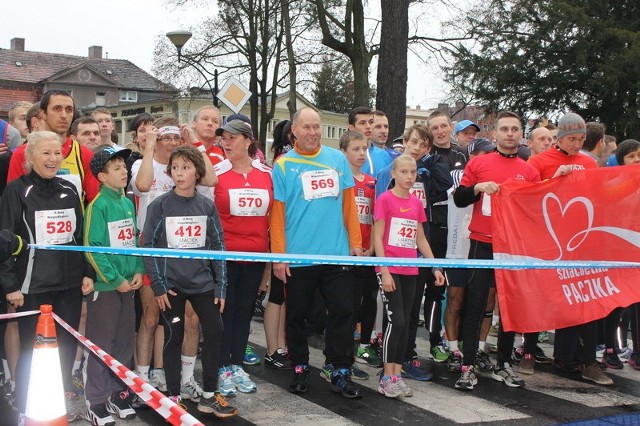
(206, 185)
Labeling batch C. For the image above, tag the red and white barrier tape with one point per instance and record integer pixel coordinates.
(155, 399)
(18, 314)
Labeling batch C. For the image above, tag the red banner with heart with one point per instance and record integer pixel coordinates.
(586, 215)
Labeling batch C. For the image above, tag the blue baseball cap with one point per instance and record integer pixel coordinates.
(461, 125)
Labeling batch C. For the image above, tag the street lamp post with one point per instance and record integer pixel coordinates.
(179, 39)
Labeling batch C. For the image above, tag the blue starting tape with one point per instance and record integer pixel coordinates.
(309, 259)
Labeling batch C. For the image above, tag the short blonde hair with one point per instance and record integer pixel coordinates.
(404, 158)
(33, 140)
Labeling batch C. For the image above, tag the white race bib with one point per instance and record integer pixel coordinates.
(403, 232)
(55, 226)
(418, 190)
(249, 202)
(186, 232)
(320, 184)
(363, 205)
(122, 233)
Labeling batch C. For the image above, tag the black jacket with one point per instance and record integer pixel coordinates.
(41, 271)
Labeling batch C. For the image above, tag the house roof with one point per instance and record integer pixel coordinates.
(37, 67)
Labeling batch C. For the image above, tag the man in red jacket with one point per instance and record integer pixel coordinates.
(57, 107)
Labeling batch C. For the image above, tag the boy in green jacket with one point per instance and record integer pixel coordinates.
(110, 222)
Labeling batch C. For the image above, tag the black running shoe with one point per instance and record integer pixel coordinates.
(300, 382)
(341, 383)
(278, 360)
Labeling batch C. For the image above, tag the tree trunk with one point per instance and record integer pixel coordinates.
(286, 19)
(391, 94)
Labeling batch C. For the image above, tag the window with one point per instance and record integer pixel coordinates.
(128, 96)
(101, 98)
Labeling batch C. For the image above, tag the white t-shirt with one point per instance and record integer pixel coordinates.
(161, 183)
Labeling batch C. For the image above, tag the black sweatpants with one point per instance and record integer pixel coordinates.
(172, 320)
(335, 284)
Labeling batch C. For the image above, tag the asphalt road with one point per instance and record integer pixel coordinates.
(549, 397)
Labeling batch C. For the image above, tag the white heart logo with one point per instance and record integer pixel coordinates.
(578, 200)
(579, 237)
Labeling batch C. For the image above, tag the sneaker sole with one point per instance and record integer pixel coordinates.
(389, 395)
(506, 382)
(186, 397)
(227, 394)
(298, 389)
(463, 389)
(336, 389)
(90, 418)
(209, 410)
(603, 383)
(115, 411)
(253, 389)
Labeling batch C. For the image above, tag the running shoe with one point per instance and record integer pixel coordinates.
(454, 362)
(527, 364)
(157, 379)
(413, 370)
(191, 390)
(541, 357)
(593, 373)
(406, 390)
(241, 380)
(610, 358)
(98, 415)
(358, 373)
(389, 387)
(301, 377)
(634, 360)
(225, 384)
(439, 353)
(368, 355)
(278, 360)
(326, 372)
(483, 362)
(250, 357)
(624, 354)
(507, 376)
(119, 403)
(218, 406)
(566, 366)
(467, 379)
(341, 383)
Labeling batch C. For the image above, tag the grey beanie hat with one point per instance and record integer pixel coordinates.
(569, 124)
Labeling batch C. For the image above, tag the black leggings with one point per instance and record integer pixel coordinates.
(398, 305)
(244, 281)
(172, 320)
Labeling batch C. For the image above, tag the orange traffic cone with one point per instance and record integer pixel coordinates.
(45, 396)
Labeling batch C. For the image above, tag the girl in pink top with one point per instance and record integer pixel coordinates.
(398, 231)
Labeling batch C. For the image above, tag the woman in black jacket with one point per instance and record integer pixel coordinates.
(43, 208)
